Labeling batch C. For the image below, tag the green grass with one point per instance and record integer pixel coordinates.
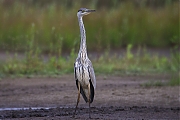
(153, 84)
(34, 64)
(54, 27)
(130, 64)
(175, 80)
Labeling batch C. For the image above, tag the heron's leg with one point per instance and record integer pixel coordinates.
(89, 100)
(77, 98)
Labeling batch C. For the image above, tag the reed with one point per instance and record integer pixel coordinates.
(55, 28)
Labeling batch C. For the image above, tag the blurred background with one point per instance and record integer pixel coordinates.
(51, 25)
(36, 27)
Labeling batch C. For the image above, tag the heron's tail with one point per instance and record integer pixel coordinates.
(84, 92)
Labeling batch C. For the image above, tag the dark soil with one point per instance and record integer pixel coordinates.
(116, 97)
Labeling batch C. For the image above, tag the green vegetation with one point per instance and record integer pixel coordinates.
(172, 82)
(152, 84)
(130, 64)
(52, 29)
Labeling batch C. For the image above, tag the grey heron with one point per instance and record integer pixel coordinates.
(83, 68)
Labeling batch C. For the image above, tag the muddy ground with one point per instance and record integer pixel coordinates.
(116, 97)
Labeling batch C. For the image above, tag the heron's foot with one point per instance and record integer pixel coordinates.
(90, 117)
(74, 115)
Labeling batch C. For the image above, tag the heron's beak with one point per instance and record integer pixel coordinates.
(91, 10)
(88, 11)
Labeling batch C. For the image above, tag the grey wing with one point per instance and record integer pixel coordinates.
(92, 74)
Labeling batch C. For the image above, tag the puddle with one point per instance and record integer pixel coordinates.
(29, 108)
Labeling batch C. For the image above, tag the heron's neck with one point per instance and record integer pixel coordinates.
(82, 49)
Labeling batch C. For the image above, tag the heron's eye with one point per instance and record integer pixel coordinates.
(82, 10)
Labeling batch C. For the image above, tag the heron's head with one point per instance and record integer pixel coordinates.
(84, 11)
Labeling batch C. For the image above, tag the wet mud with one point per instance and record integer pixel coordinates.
(116, 98)
(134, 112)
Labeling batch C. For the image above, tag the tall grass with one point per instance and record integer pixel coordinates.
(139, 63)
(34, 64)
(54, 28)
